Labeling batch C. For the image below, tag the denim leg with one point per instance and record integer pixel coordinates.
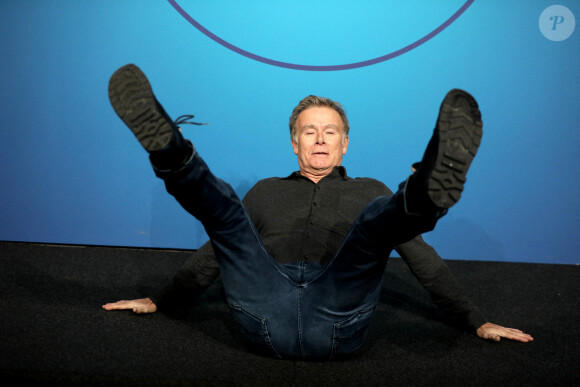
(262, 297)
(301, 310)
(339, 301)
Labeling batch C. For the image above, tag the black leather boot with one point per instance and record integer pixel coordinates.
(133, 100)
(439, 179)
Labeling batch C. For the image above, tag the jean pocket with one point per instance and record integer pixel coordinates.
(349, 334)
(254, 329)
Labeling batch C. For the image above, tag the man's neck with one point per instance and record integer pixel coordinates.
(316, 176)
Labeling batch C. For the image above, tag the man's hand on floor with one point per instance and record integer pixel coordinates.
(495, 332)
(142, 305)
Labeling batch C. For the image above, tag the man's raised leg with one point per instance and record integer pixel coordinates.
(235, 241)
(440, 177)
(262, 298)
(350, 285)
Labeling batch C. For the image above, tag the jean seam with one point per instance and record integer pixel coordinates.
(300, 327)
(334, 341)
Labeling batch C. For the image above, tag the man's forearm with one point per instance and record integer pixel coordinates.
(428, 267)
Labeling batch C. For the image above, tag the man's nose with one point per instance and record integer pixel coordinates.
(320, 138)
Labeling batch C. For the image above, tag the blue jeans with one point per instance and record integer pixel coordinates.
(302, 310)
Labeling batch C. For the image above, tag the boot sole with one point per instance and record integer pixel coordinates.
(133, 100)
(460, 129)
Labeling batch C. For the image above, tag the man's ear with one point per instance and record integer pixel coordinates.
(345, 145)
(295, 147)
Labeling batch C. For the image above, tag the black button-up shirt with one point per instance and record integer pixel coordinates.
(299, 220)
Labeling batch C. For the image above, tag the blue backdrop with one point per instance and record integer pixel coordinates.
(72, 173)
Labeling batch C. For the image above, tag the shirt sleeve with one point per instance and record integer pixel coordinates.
(435, 276)
(196, 274)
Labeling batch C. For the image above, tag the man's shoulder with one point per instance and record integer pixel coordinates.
(367, 180)
(270, 181)
(368, 183)
(267, 184)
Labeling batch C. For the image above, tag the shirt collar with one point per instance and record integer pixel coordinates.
(336, 173)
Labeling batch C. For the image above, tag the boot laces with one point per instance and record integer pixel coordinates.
(186, 119)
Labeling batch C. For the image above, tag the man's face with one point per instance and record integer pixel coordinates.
(319, 144)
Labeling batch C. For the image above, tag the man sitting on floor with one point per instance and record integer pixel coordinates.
(302, 258)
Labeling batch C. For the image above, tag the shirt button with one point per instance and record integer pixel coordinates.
(314, 204)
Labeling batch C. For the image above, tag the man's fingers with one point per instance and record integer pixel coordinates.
(123, 304)
(143, 305)
(512, 334)
(516, 334)
(495, 332)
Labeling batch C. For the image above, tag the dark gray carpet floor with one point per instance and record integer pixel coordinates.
(54, 332)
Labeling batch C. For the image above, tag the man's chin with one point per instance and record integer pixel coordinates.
(321, 166)
(327, 168)
(322, 163)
